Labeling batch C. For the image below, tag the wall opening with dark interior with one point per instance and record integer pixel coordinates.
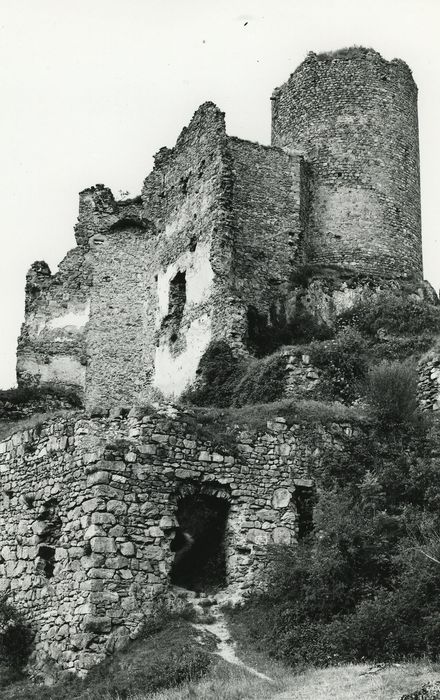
(304, 497)
(177, 296)
(176, 306)
(48, 537)
(199, 543)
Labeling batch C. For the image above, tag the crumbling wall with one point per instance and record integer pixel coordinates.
(51, 346)
(155, 271)
(184, 199)
(270, 213)
(354, 118)
(88, 515)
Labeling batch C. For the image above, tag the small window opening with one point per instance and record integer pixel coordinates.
(177, 296)
(47, 560)
(49, 536)
(304, 501)
(184, 184)
(199, 543)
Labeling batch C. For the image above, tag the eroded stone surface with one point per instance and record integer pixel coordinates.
(86, 527)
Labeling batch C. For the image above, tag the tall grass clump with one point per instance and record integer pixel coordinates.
(392, 392)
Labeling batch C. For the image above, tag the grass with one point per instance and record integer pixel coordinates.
(347, 53)
(221, 426)
(348, 682)
(8, 428)
(20, 396)
(169, 653)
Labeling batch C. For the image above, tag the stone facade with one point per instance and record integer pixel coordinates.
(354, 118)
(51, 348)
(88, 514)
(213, 246)
(429, 380)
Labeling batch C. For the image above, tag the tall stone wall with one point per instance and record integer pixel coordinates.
(270, 213)
(354, 118)
(88, 513)
(51, 347)
(188, 258)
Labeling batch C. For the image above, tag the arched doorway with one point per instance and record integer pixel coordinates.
(199, 543)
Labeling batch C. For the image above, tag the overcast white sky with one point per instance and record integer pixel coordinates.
(91, 89)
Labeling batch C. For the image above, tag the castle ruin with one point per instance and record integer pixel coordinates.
(212, 249)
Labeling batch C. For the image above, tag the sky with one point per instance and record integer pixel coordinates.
(91, 89)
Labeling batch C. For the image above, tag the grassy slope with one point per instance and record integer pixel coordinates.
(351, 682)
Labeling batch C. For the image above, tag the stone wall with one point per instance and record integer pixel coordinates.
(327, 296)
(354, 118)
(88, 515)
(302, 378)
(51, 346)
(429, 380)
(214, 246)
(269, 209)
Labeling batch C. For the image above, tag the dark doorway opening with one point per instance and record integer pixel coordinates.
(177, 297)
(305, 502)
(199, 543)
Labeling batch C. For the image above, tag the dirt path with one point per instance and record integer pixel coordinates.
(218, 627)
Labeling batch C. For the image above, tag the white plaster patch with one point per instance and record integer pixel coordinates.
(199, 277)
(74, 319)
(174, 374)
(60, 369)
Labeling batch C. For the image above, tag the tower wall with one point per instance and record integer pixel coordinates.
(354, 117)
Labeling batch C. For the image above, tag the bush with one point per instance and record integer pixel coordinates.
(168, 654)
(262, 381)
(22, 395)
(218, 374)
(343, 362)
(224, 380)
(360, 588)
(15, 642)
(392, 392)
(395, 348)
(395, 314)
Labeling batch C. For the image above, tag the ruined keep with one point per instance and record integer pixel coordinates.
(213, 246)
(227, 237)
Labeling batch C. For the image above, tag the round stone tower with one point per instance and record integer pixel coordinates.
(354, 117)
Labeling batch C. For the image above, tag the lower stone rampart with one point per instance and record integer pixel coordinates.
(429, 380)
(88, 515)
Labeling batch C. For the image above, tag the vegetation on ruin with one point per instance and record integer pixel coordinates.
(22, 396)
(347, 53)
(393, 314)
(15, 643)
(166, 654)
(366, 584)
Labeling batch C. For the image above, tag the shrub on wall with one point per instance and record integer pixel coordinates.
(262, 381)
(15, 642)
(399, 315)
(224, 380)
(360, 588)
(343, 362)
(218, 374)
(392, 392)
